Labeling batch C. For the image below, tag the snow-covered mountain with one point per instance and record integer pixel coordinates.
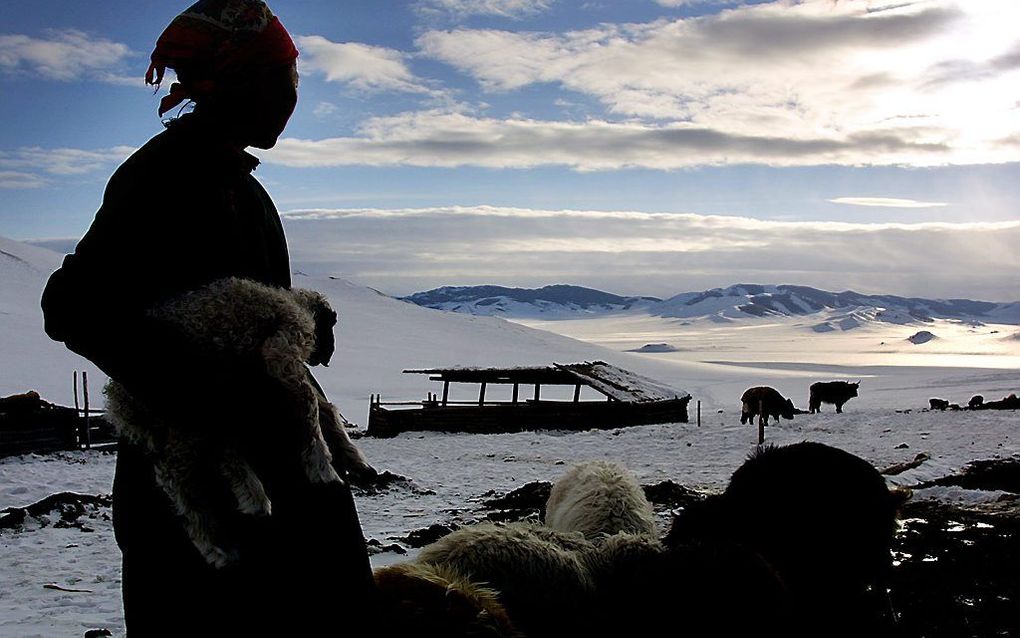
(842, 310)
(835, 310)
(543, 302)
(377, 338)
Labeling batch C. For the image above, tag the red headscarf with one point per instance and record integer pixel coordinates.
(216, 38)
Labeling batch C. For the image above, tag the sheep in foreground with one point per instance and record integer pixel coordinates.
(599, 498)
(423, 599)
(539, 573)
(284, 329)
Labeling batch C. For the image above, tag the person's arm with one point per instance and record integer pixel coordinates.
(141, 250)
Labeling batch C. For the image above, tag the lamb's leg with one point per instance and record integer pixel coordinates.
(247, 488)
(351, 461)
(188, 475)
(318, 460)
(287, 367)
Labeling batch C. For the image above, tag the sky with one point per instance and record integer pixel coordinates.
(638, 146)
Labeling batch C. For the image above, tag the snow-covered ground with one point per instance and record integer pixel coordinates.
(379, 337)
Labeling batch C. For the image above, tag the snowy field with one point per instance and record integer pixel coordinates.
(379, 337)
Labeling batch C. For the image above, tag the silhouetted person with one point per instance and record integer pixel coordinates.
(181, 212)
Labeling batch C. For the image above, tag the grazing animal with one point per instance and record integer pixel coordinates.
(597, 499)
(822, 518)
(975, 402)
(771, 403)
(1008, 402)
(938, 404)
(194, 454)
(539, 573)
(838, 392)
(421, 599)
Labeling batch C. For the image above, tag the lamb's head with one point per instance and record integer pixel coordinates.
(325, 318)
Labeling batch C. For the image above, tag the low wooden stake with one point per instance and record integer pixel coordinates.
(761, 422)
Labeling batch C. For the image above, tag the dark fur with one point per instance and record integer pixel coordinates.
(938, 404)
(975, 402)
(822, 518)
(772, 405)
(709, 589)
(837, 392)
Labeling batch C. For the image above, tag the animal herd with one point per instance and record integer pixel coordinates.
(765, 402)
(797, 545)
(977, 402)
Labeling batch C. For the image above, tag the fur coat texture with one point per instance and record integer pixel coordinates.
(281, 330)
(423, 599)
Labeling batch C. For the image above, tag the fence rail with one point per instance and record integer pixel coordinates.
(30, 425)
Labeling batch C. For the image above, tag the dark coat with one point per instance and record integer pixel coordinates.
(180, 213)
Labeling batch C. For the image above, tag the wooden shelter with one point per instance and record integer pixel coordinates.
(28, 424)
(627, 399)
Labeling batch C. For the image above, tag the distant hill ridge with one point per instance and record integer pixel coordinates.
(500, 300)
(842, 310)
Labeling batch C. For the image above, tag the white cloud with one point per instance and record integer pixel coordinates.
(361, 66)
(651, 253)
(63, 161)
(802, 72)
(63, 55)
(18, 180)
(504, 8)
(448, 139)
(325, 109)
(886, 202)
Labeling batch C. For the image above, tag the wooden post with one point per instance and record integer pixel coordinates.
(699, 413)
(761, 422)
(577, 393)
(481, 395)
(446, 392)
(516, 387)
(76, 408)
(85, 395)
(538, 391)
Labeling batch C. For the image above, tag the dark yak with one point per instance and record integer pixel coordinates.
(838, 392)
(823, 519)
(772, 404)
(938, 404)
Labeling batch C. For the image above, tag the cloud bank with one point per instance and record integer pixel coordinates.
(629, 252)
(449, 139)
(814, 82)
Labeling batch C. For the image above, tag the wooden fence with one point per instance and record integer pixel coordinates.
(30, 425)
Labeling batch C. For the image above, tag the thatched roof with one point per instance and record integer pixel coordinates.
(614, 382)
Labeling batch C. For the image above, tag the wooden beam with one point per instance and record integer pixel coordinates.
(446, 392)
(85, 395)
(481, 395)
(577, 393)
(538, 391)
(516, 388)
